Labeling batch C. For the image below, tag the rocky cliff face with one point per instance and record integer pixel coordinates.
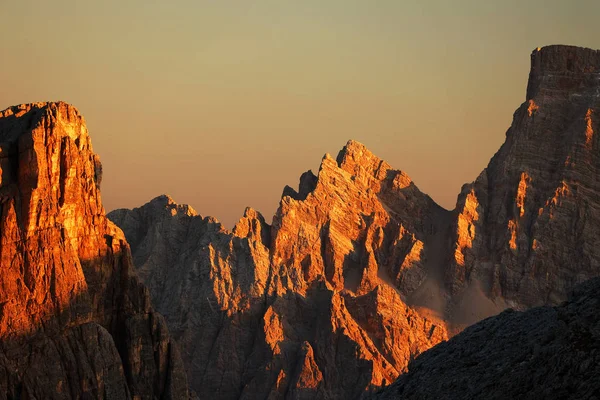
(75, 322)
(360, 271)
(310, 307)
(528, 229)
(542, 353)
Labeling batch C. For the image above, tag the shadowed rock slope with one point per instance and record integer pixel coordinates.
(542, 353)
(75, 322)
(308, 307)
(360, 271)
(526, 232)
(528, 229)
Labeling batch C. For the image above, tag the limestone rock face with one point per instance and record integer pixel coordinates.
(528, 229)
(208, 282)
(313, 306)
(360, 271)
(542, 353)
(75, 322)
(363, 223)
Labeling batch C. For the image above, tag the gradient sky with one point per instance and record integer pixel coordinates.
(222, 103)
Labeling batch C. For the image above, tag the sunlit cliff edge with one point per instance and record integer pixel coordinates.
(75, 322)
(359, 256)
(358, 274)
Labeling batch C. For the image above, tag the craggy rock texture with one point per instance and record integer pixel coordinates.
(543, 353)
(528, 229)
(74, 321)
(360, 271)
(306, 308)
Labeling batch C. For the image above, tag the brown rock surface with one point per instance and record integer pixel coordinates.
(529, 226)
(526, 233)
(308, 307)
(360, 269)
(74, 320)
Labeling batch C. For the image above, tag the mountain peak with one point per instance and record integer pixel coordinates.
(167, 202)
(353, 147)
(66, 285)
(60, 107)
(163, 199)
(360, 271)
(356, 159)
(561, 68)
(60, 118)
(253, 225)
(353, 150)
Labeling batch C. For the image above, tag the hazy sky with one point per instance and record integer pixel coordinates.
(222, 103)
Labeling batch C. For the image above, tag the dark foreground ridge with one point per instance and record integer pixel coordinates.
(542, 353)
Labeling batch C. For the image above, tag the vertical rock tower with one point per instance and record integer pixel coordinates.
(534, 212)
(75, 322)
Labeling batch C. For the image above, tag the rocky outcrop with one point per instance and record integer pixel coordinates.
(362, 223)
(528, 229)
(542, 353)
(75, 322)
(360, 271)
(209, 283)
(313, 306)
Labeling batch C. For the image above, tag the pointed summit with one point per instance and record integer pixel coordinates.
(356, 159)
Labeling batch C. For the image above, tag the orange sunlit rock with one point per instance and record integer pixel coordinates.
(414, 256)
(542, 152)
(512, 228)
(589, 130)
(310, 376)
(325, 282)
(67, 295)
(522, 192)
(466, 227)
(532, 108)
(363, 271)
(559, 192)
